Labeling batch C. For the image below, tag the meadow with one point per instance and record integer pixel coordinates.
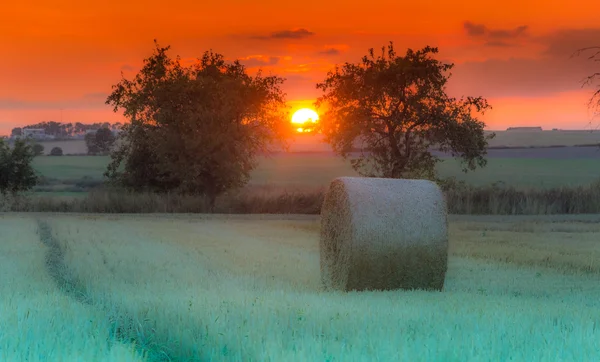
(247, 288)
(311, 143)
(537, 169)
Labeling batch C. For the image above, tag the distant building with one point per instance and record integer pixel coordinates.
(36, 134)
(535, 129)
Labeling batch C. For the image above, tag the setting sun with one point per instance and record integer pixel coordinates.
(304, 116)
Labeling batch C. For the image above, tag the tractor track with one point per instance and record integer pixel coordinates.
(124, 328)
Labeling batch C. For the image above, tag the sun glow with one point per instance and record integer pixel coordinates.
(304, 117)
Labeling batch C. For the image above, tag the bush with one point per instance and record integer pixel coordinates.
(16, 173)
(56, 151)
(38, 149)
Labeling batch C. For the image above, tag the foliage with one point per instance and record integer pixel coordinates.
(195, 129)
(594, 101)
(16, 172)
(100, 142)
(396, 108)
(38, 149)
(56, 151)
(17, 131)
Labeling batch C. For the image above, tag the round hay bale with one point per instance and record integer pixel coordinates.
(383, 234)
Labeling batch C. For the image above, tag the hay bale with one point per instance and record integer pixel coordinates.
(383, 234)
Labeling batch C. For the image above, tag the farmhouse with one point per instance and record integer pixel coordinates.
(36, 133)
(524, 129)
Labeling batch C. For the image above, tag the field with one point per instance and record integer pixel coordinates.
(247, 288)
(310, 143)
(539, 168)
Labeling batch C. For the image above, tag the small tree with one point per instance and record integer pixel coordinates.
(38, 149)
(16, 172)
(56, 151)
(100, 142)
(104, 139)
(90, 143)
(395, 109)
(196, 129)
(594, 55)
(16, 132)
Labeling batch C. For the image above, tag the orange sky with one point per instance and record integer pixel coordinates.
(515, 53)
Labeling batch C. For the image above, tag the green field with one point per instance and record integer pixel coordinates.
(318, 169)
(247, 288)
(312, 143)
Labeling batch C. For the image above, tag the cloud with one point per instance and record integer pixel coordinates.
(287, 34)
(127, 68)
(88, 101)
(330, 51)
(564, 42)
(259, 61)
(545, 68)
(474, 29)
(495, 37)
(333, 49)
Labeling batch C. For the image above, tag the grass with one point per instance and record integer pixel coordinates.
(234, 288)
(71, 167)
(462, 199)
(304, 142)
(37, 321)
(317, 170)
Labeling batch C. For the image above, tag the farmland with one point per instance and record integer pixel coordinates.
(230, 288)
(524, 168)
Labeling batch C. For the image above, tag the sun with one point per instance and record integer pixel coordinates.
(304, 116)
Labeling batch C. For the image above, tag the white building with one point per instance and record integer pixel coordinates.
(36, 134)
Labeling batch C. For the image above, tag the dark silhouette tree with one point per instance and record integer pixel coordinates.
(17, 131)
(395, 110)
(100, 142)
(194, 129)
(593, 55)
(38, 149)
(104, 139)
(56, 151)
(16, 172)
(90, 143)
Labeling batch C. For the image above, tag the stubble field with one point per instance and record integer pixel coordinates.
(246, 288)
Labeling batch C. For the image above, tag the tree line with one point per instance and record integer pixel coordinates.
(66, 130)
(198, 129)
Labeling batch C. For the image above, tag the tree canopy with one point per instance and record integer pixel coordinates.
(593, 55)
(100, 141)
(394, 109)
(16, 172)
(195, 129)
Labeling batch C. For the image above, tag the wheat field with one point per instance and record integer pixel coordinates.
(247, 288)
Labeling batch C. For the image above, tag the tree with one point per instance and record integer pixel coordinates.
(100, 141)
(16, 172)
(105, 139)
(38, 149)
(195, 129)
(56, 151)
(397, 110)
(594, 101)
(16, 132)
(90, 142)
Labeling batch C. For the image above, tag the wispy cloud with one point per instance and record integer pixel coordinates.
(287, 34)
(259, 61)
(549, 71)
(495, 37)
(89, 100)
(330, 51)
(127, 68)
